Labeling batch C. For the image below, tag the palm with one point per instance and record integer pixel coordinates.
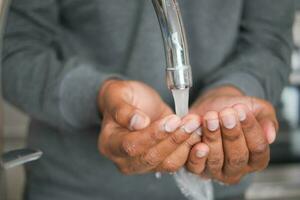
(147, 100)
(219, 103)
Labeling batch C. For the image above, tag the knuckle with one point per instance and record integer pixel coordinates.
(175, 139)
(129, 147)
(248, 123)
(215, 165)
(232, 135)
(211, 115)
(211, 138)
(237, 161)
(156, 134)
(170, 166)
(260, 148)
(188, 143)
(151, 158)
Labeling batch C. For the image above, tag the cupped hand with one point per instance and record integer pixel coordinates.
(139, 132)
(237, 131)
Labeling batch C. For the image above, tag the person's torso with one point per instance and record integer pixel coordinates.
(123, 37)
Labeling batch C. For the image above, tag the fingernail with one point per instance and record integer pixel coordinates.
(229, 121)
(172, 124)
(242, 115)
(212, 124)
(191, 126)
(271, 135)
(136, 122)
(201, 154)
(199, 131)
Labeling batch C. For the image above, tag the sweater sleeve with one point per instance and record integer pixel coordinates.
(260, 64)
(41, 75)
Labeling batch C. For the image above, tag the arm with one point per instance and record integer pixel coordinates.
(238, 128)
(42, 74)
(45, 79)
(260, 64)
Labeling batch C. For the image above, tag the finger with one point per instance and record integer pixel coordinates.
(269, 129)
(257, 143)
(157, 154)
(197, 158)
(265, 114)
(128, 116)
(234, 144)
(212, 137)
(137, 142)
(179, 157)
(118, 106)
(110, 137)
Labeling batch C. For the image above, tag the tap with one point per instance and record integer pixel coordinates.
(178, 69)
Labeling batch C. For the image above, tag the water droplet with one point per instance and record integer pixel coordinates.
(158, 175)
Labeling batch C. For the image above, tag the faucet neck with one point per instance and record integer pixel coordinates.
(176, 49)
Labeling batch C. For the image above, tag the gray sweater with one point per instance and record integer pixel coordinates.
(57, 53)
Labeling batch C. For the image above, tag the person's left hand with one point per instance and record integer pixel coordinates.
(237, 131)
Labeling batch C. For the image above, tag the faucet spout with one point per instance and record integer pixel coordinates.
(178, 69)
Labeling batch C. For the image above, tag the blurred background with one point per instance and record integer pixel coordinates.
(280, 181)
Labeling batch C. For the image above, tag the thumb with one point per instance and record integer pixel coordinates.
(115, 100)
(126, 115)
(266, 116)
(269, 130)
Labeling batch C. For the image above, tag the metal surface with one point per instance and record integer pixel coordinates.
(178, 69)
(19, 157)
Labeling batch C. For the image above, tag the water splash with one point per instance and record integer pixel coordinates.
(158, 175)
(191, 185)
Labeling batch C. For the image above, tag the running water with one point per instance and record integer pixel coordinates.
(181, 100)
(192, 186)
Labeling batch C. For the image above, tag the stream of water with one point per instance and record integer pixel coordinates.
(192, 186)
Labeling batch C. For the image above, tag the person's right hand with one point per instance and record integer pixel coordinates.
(140, 133)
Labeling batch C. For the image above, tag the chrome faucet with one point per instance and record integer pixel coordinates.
(178, 69)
